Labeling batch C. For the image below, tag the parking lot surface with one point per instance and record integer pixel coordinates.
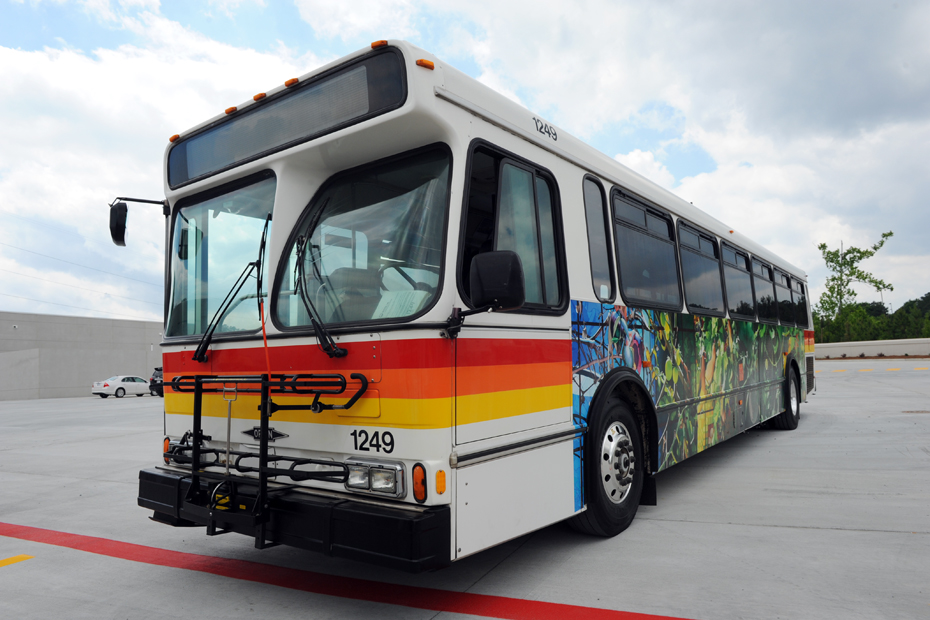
(829, 521)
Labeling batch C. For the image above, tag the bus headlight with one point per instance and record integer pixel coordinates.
(358, 477)
(374, 476)
(383, 480)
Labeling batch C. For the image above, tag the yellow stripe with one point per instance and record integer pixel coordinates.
(391, 412)
(497, 405)
(838, 370)
(427, 413)
(922, 368)
(891, 369)
(865, 370)
(15, 559)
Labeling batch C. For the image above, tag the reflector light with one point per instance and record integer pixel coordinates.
(291, 82)
(440, 482)
(358, 477)
(258, 96)
(419, 483)
(173, 138)
(383, 480)
(231, 110)
(426, 64)
(167, 446)
(378, 44)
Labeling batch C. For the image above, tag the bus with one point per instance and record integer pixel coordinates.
(407, 319)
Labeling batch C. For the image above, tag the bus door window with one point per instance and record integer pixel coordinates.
(512, 206)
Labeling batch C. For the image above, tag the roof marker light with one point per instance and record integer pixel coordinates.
(231, 110)
(426, 64)
(291, 82)
(378, 44)
(173, 138)
(258, 96)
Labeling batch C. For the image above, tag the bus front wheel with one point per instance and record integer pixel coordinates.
(614, 467)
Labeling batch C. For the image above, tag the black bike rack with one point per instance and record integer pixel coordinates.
(236, 502)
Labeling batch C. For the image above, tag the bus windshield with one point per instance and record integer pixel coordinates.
(372, 245)
(213, 242)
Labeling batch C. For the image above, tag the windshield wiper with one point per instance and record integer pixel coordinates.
(200, 355)
(323, 336)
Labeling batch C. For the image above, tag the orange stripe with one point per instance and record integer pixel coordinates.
(484, 379)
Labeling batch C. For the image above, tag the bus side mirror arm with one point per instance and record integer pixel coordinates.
(118, 212)
(496, 285)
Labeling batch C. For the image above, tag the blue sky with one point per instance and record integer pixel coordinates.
(771, 117)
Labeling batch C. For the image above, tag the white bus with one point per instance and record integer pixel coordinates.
(407, 319)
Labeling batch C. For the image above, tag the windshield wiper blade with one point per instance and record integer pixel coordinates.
(323, 336)
(200, 355)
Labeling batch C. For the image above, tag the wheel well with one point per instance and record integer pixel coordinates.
(641, 403)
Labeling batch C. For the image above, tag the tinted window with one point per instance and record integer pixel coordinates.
(595, 214)
(800, 304)
(700, 272)
(739, 292)
(513, 207)
(648, 269)
(765, 292)
(785, 305)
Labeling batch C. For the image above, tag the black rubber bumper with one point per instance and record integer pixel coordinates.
(408, 540)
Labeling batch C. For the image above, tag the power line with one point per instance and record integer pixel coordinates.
(79, 265)
(42, 301)
(37, 222)
(25, 275)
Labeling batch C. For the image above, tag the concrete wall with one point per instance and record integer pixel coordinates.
(871, 348)
(48, 356)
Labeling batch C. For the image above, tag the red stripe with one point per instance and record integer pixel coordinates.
(319, 583)
(510, 351)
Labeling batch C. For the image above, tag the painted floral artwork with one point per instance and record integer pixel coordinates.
(709, 378)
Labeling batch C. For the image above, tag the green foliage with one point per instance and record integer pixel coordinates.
(863, 321)
(844, 266)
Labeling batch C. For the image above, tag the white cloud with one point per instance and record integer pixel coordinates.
(380, 19)
(644, 163)
(93, 126)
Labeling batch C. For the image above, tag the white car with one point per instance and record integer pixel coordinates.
(120, 386)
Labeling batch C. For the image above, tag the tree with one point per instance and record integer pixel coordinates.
(844, 265)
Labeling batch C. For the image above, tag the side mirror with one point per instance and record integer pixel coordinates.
(118, 213)
(497, 281)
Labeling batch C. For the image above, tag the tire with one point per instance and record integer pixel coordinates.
(120, 392)
(613, 471)
(140, 395)
(788, 419)
(153, 392)
(103, 395)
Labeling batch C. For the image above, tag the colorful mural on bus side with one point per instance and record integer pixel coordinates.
(681, 358)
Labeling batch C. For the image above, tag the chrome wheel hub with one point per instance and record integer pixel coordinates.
(618, 462)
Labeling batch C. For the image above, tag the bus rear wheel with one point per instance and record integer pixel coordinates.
(789, 418)
(614, 467)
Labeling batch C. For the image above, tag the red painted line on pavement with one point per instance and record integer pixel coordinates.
(319, 583)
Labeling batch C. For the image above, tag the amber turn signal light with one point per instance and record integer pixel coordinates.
(166, 446)
(440, 482)
(426, 64)
(419, 483)
(378, 44)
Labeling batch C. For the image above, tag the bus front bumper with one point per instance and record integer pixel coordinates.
(409, 540)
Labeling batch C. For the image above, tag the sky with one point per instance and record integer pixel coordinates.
(795, 122)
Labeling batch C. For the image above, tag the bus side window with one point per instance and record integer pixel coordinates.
(645, 255)
(800, 304)
(785, 301)
(700, 272)
(595, 210)
(740, 299)
(512, 206)
(765, 292)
